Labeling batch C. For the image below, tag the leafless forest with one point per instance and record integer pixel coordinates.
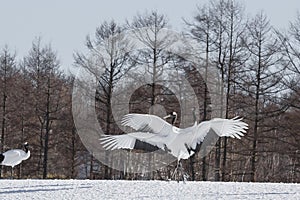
(258, 64)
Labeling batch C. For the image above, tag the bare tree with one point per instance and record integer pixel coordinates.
(219, 28)
(109, 52)
(262, 79)
(291, 52)
(290, 41)
(149, 30)
(42, 67)
(8, 74)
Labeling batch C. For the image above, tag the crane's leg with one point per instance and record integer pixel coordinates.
(11, 173)
(175, 171)
(181, 175)
(184, 176)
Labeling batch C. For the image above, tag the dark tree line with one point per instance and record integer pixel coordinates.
(36, 107)
(259, 68)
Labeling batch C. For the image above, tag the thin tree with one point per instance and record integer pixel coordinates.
(148, 29)
(262, 79)
(42, 67)
(7, 72)
(109, 51)
(201, 31)
(291, 52)
(219, 28)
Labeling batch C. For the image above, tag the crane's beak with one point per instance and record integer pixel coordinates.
(166, 117)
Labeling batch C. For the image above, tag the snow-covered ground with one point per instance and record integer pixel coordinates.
(99, 189)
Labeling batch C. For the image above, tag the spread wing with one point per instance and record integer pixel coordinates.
(150, 129)
(147, 123)
(128, 141)
(234, 128)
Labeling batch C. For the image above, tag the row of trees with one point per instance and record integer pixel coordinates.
(258, 71)
(36, 107)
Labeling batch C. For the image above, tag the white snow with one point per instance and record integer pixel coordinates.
(101, 189)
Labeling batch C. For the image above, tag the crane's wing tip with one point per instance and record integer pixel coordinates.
(104, 137)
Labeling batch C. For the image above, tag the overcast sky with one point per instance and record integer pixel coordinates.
(66, 23)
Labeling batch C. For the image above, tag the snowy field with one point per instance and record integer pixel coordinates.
(98, 189)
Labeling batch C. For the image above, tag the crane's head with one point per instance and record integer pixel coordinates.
(26, 146)
(172, 115)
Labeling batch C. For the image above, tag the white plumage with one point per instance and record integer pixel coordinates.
(14, 157)
(177, 141)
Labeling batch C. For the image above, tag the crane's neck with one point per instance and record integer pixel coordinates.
(26, 149)
(174, 119)
(27, 155)
(194, 115)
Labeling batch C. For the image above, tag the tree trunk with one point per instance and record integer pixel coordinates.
(217, 160)
(91, 166)
(255, 132)
(3, 122)
(47, 131)
(73, 153)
